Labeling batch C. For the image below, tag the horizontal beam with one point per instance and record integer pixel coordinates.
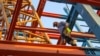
(48, 14)
(73, 34)
(54, 33)
(59, 16)
(30, 49)
(90, 2)
(54, 15)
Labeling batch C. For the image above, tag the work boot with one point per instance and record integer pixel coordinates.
(73, 42)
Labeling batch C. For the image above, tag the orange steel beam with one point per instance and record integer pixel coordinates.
(53, 33)
(29, 49)
(73, 34)
(14, 19)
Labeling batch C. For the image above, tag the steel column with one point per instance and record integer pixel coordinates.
(14, 19)
(41, 7)
(72, 17)
(39, 11)
(91, 18)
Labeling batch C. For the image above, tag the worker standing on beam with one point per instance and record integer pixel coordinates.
(65, 31)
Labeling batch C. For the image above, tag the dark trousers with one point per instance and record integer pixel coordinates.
(67, 38)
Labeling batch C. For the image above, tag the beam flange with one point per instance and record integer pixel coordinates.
(30, 49)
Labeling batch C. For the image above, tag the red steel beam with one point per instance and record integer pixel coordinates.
(41, 7)
(54, 33)
(48, 14)
(39, 11)
(31, 49)
(14, 19)
(90, 2)
(52, 15)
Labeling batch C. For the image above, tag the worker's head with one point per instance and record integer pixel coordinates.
(55, 24)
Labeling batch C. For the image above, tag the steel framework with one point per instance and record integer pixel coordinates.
(36, 39)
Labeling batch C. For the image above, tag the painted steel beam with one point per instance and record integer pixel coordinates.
(31, 49)
(90, 2)
(41, 7)
(73, 34)
(91, 18)
(39, 11)
(14, 19)
(72, 17)
(54, 15)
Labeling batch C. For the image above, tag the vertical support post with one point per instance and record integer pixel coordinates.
(72, 17)
(39, 11)
(84, 43)
(41, 7)
(14, 19)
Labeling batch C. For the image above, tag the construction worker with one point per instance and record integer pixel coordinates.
(65, 31)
